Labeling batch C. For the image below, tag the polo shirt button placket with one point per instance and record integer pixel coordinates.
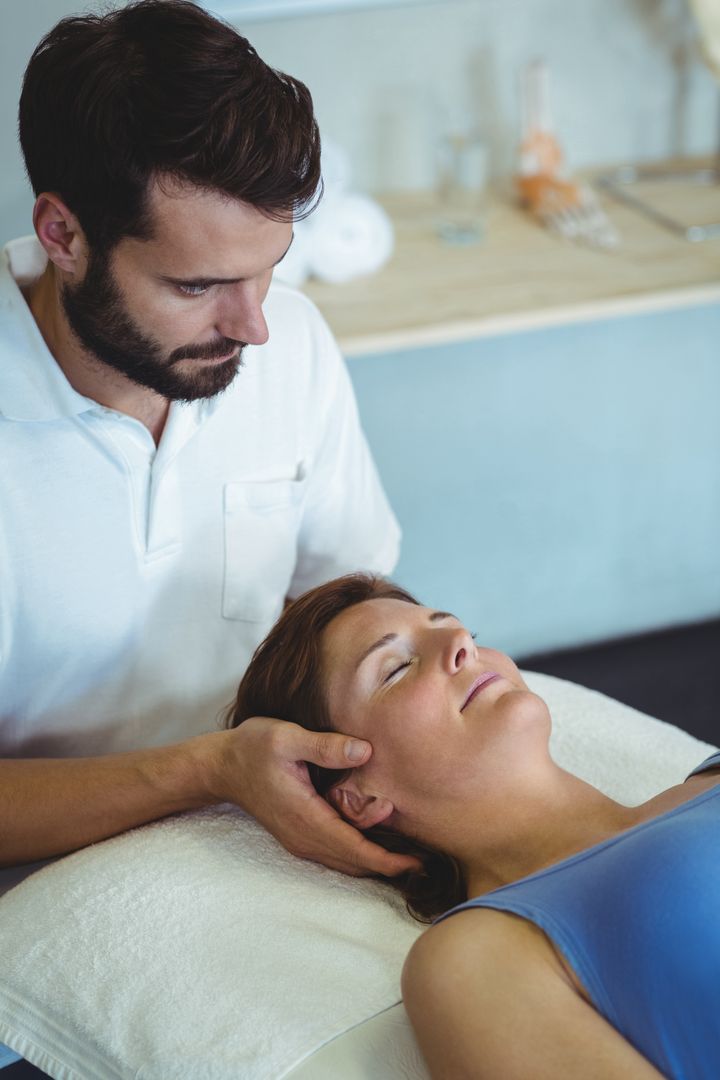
(163, 513)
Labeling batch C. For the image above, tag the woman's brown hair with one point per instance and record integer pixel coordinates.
(285, 679)
(160, 88)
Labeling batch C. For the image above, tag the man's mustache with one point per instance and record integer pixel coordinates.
(211, 351)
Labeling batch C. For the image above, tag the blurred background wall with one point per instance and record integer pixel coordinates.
(627, 81)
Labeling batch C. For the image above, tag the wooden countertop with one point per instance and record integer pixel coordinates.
(522, 276)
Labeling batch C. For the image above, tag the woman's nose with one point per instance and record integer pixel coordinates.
(459, 649)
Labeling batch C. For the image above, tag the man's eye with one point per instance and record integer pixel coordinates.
(405, 663)
(193, 290)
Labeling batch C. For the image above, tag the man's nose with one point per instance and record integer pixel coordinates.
(241, 316)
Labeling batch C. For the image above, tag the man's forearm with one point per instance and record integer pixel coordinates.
(53, 806)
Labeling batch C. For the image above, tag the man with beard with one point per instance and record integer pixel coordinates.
(180, 445)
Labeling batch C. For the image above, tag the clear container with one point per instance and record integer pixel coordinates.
(461, 189)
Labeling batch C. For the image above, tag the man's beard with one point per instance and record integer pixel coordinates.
(97, 315)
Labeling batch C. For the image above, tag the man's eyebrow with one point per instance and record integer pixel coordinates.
(205, 282)
(435, 616)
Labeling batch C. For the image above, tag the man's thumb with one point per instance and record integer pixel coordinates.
(357, 751)
(337, 751)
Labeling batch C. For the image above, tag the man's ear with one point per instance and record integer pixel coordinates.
(60, 233)
(356, 806)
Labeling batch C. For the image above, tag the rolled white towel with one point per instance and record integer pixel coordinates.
(349, 235)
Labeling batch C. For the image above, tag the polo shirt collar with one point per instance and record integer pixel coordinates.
(32, 383)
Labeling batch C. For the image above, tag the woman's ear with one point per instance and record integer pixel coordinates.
(356, 806)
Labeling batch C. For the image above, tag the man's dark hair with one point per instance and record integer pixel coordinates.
(162, 89)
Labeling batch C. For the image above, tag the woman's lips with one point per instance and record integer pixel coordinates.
(480, 683)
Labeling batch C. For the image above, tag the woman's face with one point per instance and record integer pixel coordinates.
(448, 719)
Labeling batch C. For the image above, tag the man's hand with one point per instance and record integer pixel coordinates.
(263, 770)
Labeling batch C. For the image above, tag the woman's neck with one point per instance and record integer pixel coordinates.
(552, 820)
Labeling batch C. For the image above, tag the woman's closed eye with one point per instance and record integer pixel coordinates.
(396, 670)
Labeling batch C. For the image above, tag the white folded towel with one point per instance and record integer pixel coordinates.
(197, 949)
(346, 236)
(349, 235)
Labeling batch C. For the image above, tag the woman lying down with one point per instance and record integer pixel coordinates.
(575, 937)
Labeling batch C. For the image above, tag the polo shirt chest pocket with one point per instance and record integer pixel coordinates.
(261, 526)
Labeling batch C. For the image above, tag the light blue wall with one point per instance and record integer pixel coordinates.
(21, 27)
(561, 486)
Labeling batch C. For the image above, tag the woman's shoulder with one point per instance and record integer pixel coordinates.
(482, 940)
(483, 991)
(475, 933)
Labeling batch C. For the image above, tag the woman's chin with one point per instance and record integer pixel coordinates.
(525, 708)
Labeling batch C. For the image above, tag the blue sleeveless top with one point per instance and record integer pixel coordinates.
(637, 917)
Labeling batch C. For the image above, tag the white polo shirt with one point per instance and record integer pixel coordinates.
(135, 581)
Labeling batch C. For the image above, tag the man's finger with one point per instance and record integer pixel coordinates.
(317, 831)
(346, 849)
(387, 863)
(331, 750)
(371, 858)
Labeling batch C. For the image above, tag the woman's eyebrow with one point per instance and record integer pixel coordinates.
(384, 640)
(435, 616)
